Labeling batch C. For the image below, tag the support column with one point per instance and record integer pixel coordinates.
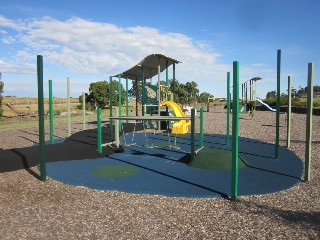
(228, 109)
(235, 132)
(289, 114)
(51, 113)
(43, 173)
(69, 107)
(278, 104)
(309, 122)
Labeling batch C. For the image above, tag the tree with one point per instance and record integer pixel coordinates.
(203, 97)
(179, 91)
(1, 97)
(271, 94)
(136, 91)
(193, 91)
(99, 94)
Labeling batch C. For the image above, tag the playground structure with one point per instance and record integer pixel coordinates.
(248, 104)
(19, 113)
(152, 99)
(235, 119)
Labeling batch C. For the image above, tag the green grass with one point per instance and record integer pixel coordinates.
(214, 159)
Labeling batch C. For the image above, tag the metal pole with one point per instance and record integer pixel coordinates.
(201, 127)
(99, 130)
(119, 99)
(43, 174)
(235, 132)
(51, 113)
(192, 133)
(289, 114)
(309, 122)
(69, 107)
(84, 110)
(110, 107)
(278, 104)
(174, 82)
(116, 138)
(136, 97)
(127, 97)
(159, 92)
(228, 109)
(167, 73)
(142, 90)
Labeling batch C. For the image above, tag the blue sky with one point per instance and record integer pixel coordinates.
(90, 40)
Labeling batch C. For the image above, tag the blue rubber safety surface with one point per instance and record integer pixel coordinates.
(162, 172)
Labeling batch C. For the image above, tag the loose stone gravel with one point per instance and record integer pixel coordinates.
(31, 209)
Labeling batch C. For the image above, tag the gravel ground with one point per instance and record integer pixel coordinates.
(31, 209)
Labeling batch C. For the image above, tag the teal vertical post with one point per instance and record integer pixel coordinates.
(99, 130)
(43, 173)
(309, 122)
(110, 107)
(84, 110)
(119, 100)
(51, 113)
(174, 82)
(167, 73)
(289, 114)
(276, 154)
(201, 127)
(137, 96)
(235, 132)
(142, 90)
(228, 110)
(69, 107)
(192, 133)
(127, 97)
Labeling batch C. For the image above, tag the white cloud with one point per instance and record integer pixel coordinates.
(104, 49)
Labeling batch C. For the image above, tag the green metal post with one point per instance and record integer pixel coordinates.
(110, 107)
(235, 132)
(127, 97)
(278, 104)
(142, 90)
(99, 130)
(167, 73)
(43, 174)
(119, 100)
(174, 82)
(289, 114)
(192, 133)
(228, 110)
(309, 122)
(137, 97)
(84, 110)
(51, 113)
(201, 127)
(69, 107)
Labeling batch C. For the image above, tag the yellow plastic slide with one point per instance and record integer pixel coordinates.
(180, 127)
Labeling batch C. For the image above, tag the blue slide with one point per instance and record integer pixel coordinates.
(270, 108)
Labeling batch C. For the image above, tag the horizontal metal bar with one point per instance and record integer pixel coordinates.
(161, 118)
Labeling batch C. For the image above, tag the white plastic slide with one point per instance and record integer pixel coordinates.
(270, 108)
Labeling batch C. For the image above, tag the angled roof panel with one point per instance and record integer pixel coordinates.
(150, 66)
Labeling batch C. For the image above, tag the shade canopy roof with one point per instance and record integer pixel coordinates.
(150, 67)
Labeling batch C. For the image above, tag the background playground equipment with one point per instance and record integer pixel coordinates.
(249, 104)
(149, 67)
(208, 103)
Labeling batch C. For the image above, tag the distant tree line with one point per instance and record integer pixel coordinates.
(98, 95)
(296, 95)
